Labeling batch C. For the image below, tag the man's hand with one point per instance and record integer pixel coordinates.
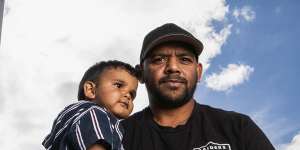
(96, 147)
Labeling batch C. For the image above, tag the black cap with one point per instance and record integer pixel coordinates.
(169, 32)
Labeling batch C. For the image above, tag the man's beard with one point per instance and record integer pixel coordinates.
(158, 98)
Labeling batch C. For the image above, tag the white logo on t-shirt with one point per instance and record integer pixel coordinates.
(214, 146)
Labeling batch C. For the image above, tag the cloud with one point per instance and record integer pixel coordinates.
(262, 117)
(66, 91)
(229, 77)
(214, 41)
(294, 145)
(6, 9)
(47, 45)
(245, 13)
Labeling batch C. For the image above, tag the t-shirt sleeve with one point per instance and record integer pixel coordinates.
(92, 127)
(254, 137)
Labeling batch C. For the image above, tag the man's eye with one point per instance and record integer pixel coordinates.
(186, 60)
(158, 60)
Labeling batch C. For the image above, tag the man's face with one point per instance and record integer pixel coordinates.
(171, 73)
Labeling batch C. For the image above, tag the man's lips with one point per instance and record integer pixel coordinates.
(174, 80)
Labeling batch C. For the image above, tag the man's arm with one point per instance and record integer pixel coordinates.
(254, 137)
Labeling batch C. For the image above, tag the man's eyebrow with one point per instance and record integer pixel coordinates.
(159, 54)
(185, 54)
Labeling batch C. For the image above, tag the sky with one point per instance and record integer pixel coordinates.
(249, 58)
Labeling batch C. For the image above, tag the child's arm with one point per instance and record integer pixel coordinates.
(91, 130)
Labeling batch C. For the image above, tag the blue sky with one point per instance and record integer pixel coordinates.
(250, 58)
(270, 44)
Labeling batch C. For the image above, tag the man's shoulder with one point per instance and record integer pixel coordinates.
(235, 125)
(215, 110)
(218, 114)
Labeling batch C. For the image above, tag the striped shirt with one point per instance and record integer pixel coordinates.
(81, 125)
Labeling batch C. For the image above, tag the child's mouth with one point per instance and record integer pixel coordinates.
(124, 104)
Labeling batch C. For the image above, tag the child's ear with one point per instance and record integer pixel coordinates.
(139, 71)
(89, 88)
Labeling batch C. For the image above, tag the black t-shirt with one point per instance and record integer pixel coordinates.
(207, 129)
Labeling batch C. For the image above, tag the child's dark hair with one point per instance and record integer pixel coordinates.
(92, 74)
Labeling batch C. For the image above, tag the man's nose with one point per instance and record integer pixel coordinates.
(172, 66)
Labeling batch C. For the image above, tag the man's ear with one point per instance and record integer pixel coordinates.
(89, 88)
(140, 74)
(199, 70)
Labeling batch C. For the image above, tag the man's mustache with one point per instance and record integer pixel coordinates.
(174, 78)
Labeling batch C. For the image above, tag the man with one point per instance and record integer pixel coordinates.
(174, 120)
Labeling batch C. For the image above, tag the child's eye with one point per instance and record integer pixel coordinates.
(118, 85)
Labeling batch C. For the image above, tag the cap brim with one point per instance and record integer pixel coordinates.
(198, 46)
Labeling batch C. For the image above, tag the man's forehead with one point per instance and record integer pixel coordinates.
(171, 49)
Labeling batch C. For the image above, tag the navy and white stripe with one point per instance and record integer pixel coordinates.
(79, 138)
(80, 125)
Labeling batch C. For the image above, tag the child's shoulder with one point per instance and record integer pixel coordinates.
(82, 104)
(78, 109)
(82, 114)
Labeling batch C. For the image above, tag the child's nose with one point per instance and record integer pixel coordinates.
(128, 96)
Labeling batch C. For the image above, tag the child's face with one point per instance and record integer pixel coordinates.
(115, 91)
